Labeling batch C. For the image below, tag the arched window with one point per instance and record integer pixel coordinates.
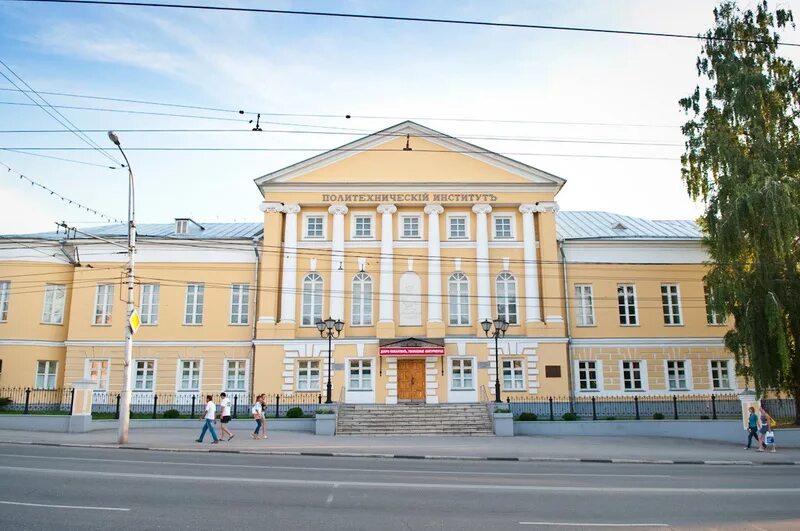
(506, 295)
(362, 300)
(458, 299)
(312, 299)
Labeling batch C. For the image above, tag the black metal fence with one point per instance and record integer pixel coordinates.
(27, 400)
(784, 409)
(629, 407)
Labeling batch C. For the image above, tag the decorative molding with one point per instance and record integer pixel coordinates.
(32, 343)
(546, 206)
(137, 343)
(482, 208)
(433, 209)
(338, 210)
(649, 342)
(271, 208)
(386, 208)
(291, 208)
(528, 208)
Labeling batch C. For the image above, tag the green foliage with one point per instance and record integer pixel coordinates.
(610, 418)
(5, 402)
(704, 417)
(172, 414)
(658, 416)
(325, 411)
(528, 416)
(569, 416)
(742, 159)
(502, 410)
(294, 413)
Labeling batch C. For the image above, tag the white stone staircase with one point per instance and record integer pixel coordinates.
(414, 419)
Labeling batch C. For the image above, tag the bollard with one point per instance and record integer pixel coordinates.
(636, 406)
(155, 406)
(235, 404)
(594, 409)
(319, 398)
(27, 400)
(551, 408)
(116, 412)
(714, 407)
(675, 406)
(277, 403)
(71, 399)
(194, 399)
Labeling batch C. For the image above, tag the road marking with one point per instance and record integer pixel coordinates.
(334, 469)
(404, 485)
(84, 507)
(592, 524)
(329, 501)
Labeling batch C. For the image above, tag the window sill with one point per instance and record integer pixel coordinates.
(238, 324)
(629, 325)
(362, 238)
(586, 326)
(360, 390)
(99, 324)
(464, 389)
(51, 324)
(678, 390)
(192, 324)
(673, 324)
(514, 390)
(361, 325)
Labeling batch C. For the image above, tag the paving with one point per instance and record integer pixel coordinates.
(544, 448)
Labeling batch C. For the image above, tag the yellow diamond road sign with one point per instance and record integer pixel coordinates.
(135, 321)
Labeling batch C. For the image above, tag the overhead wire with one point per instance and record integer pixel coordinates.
(63, 159)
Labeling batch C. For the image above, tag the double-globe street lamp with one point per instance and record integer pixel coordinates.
(331, 328)
(500, 327)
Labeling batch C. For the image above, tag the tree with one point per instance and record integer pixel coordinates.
(742, 159)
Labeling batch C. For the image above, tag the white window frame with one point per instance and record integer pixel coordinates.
(49, 374)
(517, 373)
(317, 299)
(463, 364)
(5, 295)
(512, 225)
(401, 226)
(361, 300)
(149, 298)
(729, 375)
(642, 376)
(53, 313)
(104, 309)
(687, 372)
(458, 215)
(672, 311)
(194, 317)
(243, 370)
(102, 383)
(240, 311)
(363, 383)
(455, 317)
(304, 370)
(628, 314)
(505, 313)
(196, 364)
(353, 217)
(181, 226)
(712, 317)
(324, 217)
(584, 311)
(135, 375)
(598, 374)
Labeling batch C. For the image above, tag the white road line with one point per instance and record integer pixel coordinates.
(334, 469)
(591, 524)
(84, 507)
(407, 485)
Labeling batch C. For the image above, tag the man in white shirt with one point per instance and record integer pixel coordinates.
(209, 421)
(225, 414)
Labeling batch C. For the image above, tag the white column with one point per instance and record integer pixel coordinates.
(336, 308)
(386, 294)
(434, 263)
(482, 255)
(532, 301)
(289, 278)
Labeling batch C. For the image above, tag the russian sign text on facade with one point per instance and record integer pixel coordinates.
(443, 197)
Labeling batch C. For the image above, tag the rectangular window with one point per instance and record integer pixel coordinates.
(97, 371)
(720, 374)
(103, 304)
(513, 378)
(5, 288)
(360, 375)
(712, 317)
(411, 227)
(148, 309)
(461, 374)
(457, 228)
(458, 299)
(236, 375)
(46, 374)
(308, 375)
(144, 375)
(587, 376)
(671, 304)
(363, 227)
(190, 375)
(54, 297)
(584, 305)
(676, 375)
(626, 301)
(632, 376)
(315, 227)
(194, 304)
(502, 228)
(240, 303)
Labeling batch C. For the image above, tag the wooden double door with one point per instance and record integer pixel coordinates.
(411, 380)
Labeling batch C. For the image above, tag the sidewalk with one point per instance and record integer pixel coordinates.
(590, 449)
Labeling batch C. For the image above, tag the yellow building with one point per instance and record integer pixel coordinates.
(412, 238)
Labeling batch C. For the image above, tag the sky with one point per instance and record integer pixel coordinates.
(281, 64)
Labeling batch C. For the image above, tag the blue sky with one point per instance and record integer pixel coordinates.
(278, 63)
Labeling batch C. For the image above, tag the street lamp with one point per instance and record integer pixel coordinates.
(329, 328)
(125, 398)
(500, 327)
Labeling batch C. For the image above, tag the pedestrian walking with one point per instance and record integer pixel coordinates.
(264, 415)
(209, 420)
(225, 415)
(765, 422)
(258, 415)
(752, 429)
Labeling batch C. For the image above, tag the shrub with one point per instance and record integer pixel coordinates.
(704, 417)
(294, 413)
(502, 410)
(610, 418)
(569, 416)
(325, 411)
(172, 414)
(528, 416)
(5, 402)
(658, 416)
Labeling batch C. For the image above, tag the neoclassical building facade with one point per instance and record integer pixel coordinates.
(412, 239)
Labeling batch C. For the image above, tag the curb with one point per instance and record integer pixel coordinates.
(413, 456)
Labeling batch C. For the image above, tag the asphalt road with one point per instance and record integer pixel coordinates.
(77, 488)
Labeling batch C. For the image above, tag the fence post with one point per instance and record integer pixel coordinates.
(636, 406)
(277, 403)
(551, 408)
(71, 400)
(714, 407)
(675, 405)
(319, 398)
(27, 400)
(116, 412)
(194, 398)
(594, 409)
(235, 404)
(155, 406)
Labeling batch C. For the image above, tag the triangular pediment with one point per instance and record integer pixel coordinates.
(410, 153)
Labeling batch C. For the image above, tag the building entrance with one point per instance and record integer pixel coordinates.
(411, 380)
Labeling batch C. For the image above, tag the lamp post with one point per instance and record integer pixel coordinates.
(329, 328)
(500, 327)
(125, 398)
